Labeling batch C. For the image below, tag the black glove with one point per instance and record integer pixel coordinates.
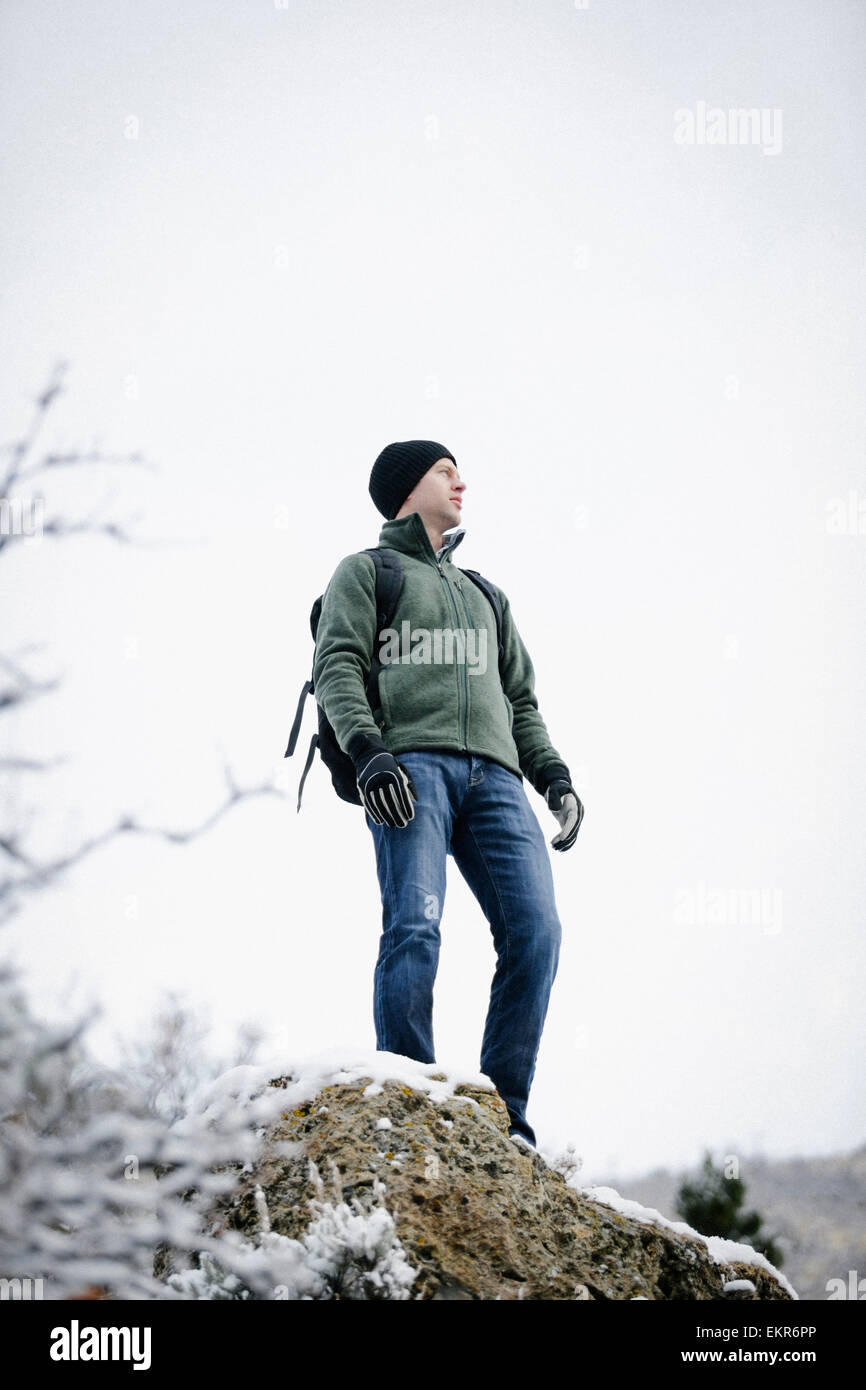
(567, 806)
(386, 788)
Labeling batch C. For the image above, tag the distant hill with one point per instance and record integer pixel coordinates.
(815, 1206)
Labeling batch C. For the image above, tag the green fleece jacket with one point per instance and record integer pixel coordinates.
(440, 685)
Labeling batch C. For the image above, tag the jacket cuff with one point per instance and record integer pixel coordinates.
(364, 746)
(551, 772)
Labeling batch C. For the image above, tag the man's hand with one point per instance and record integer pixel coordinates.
(387, 790)
(567, 806)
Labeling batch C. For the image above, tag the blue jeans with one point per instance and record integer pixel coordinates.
(477, 811)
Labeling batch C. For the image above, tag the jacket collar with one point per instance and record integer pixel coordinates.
(409, 535)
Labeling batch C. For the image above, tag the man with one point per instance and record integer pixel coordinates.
(467, 732)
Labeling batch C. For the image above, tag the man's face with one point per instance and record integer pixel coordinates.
(437, 496)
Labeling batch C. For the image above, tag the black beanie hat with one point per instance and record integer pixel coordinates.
(398, 468)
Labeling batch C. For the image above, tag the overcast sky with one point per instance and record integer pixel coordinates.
(270, 240)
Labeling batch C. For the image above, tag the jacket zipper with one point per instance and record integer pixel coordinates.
(458, 584)
(453, 603)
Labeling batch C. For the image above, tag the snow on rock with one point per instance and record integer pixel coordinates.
(251, 1087)
(724, 1252)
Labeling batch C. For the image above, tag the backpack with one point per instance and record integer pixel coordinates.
(389, 583)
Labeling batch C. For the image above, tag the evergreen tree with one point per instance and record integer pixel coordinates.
(712, 1205)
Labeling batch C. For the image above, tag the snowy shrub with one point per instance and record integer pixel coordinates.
(345, 1252)
(567, 1163)
(81, 1207)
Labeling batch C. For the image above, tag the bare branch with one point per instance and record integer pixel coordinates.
(16, 764)
(25, 873)
(28, 689)
(41, 874)
(22, 447)
(9, 845)
(60, 527)
(20, 470)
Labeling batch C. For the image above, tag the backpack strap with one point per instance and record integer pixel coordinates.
(299, 714)
(315, 614)
(293, 737)
(490, 593)
(314, 742)
(389, 585)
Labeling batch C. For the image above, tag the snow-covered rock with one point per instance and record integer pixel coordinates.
(381, 1177)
